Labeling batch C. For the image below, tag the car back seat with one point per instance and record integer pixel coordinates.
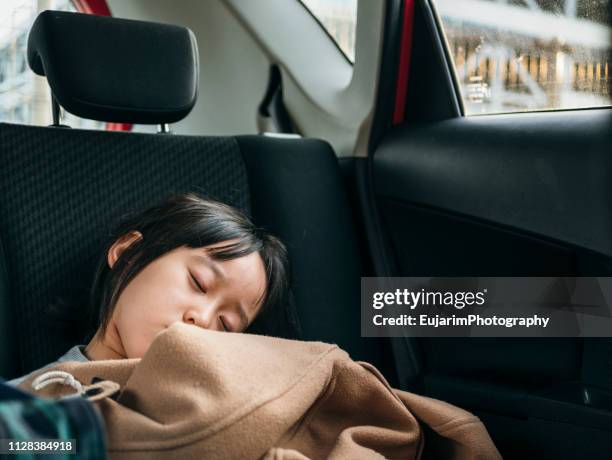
(60, 188)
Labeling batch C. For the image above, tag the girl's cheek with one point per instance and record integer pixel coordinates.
(136, 346)
(141, 335)
(132, 332)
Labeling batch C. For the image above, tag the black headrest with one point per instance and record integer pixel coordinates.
(118, 70)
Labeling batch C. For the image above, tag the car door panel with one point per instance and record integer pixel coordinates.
(547, 173)
(506, 195)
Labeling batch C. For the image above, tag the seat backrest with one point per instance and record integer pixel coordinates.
(60, 190)
(63, 189)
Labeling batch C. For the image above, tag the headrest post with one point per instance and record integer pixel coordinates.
(163, 128)
(56, 111)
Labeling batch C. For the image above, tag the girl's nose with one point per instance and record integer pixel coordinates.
(197, 317)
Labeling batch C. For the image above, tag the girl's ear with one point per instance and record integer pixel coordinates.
(121, 245)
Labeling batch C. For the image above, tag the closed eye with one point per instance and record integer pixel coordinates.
(198, 286)
(223, 325)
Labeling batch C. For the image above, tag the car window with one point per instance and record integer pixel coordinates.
(339, 18)
(25, 97)
(522, 55)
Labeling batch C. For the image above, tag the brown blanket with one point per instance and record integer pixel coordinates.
(203, 394)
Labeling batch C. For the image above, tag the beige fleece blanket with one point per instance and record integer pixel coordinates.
(200, 394)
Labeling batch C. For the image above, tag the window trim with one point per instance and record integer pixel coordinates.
(329, 35)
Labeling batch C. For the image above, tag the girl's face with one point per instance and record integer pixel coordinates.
(186, 285)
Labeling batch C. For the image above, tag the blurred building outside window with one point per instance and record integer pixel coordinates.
(523, 55)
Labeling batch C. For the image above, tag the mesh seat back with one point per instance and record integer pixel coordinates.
(60, 192)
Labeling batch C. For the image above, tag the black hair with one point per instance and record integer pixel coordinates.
(190, 220)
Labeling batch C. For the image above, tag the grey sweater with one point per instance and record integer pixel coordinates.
(74, 354)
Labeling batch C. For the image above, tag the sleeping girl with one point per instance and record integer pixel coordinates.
(186, 259)
(171, 280)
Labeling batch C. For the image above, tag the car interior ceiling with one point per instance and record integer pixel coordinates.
(439, 194)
